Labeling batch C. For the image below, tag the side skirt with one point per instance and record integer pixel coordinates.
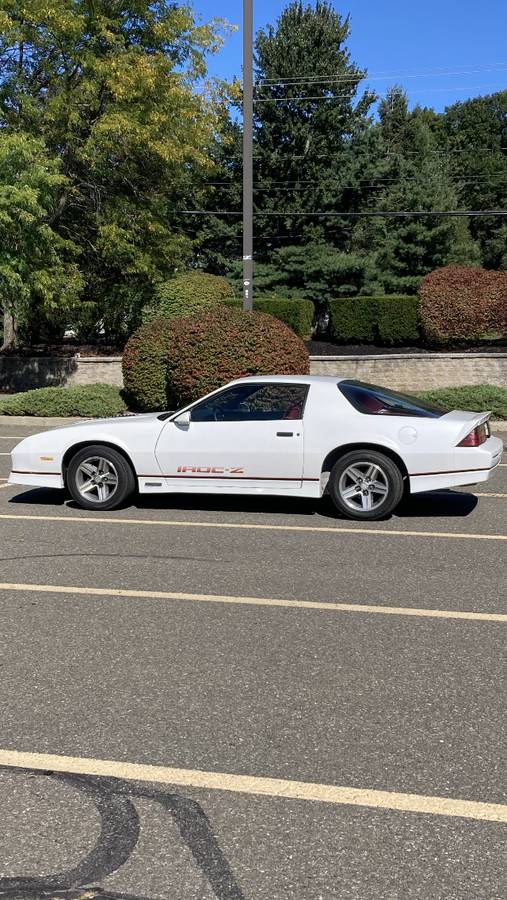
(155, 485)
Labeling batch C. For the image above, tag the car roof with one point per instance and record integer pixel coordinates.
(296, 379)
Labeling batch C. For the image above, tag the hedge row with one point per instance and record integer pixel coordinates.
(297, 314)
(388, 320)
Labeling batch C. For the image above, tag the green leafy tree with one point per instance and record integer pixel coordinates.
(116, 92)
(38, 267)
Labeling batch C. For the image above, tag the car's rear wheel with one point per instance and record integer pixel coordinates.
(99, 477)
(365, 484)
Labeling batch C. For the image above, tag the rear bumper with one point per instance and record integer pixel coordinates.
(478, 464)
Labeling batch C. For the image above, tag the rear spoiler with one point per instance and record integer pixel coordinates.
(466, 421)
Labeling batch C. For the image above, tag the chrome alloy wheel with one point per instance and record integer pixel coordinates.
(97, 479)
(363, 486)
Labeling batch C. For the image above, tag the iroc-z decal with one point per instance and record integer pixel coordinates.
(211, 470)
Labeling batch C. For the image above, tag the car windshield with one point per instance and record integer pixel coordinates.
(372, 400)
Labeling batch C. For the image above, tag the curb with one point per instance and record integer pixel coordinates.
(40, 421)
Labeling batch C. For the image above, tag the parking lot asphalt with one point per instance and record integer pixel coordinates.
(323, 700)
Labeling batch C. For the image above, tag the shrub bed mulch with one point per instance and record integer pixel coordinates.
(64, 350)
(328, 348)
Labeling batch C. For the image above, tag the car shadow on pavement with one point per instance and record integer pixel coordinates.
(442, 504)
(40, 497)
(206, 502)
(446, 504)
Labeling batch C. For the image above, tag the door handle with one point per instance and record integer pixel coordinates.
(285, 434)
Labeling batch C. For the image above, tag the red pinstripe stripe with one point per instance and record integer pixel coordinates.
(230, 477)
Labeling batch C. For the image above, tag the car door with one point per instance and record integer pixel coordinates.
(247, 437)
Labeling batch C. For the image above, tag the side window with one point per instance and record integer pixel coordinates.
(253, 403)
(222, 407)
(377, 401)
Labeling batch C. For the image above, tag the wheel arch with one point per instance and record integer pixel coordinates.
(334, 455)
(81, 445)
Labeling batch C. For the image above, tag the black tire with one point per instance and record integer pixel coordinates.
(121, 483)
(387, 476)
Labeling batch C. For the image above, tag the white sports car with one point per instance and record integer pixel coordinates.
(294, 436)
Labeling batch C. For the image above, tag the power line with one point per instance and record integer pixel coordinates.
(342, 215)
(378, 182)
(470, 87)
(382, 76)
(387, 155)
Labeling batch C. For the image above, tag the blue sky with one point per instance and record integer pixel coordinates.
(401, 38)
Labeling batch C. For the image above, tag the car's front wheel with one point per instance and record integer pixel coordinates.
(98, 477)
(365, 484)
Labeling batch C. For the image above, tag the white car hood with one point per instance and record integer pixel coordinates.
(132, 420)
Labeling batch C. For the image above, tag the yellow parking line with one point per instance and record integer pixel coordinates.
(255, 601)
(257, 786)
(324, 529)
(488, 494)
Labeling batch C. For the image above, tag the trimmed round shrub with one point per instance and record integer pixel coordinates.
(145, 366)
(462, 303)
(186, 294)
(169, 364)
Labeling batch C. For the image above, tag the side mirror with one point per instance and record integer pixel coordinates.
(183, 420)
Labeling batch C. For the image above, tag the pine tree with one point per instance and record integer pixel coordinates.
(474, 133)
(411, 177)
(307, 118)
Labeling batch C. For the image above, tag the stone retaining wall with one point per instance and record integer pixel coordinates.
(416, 372)
(18, 373)
(410, 372)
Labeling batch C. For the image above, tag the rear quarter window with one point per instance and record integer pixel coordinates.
(372, 400)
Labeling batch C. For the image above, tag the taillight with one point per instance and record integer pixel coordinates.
(476, 437)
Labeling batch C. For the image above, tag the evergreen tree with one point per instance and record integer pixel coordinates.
(410, 176)
(217, 240)
(474, 133)
(307, 119)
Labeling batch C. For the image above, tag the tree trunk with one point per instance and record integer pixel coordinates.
(10, 336)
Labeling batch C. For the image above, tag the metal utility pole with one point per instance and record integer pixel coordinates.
(247, 155)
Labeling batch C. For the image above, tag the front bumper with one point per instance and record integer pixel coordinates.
(35, 466)
(37, 479)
